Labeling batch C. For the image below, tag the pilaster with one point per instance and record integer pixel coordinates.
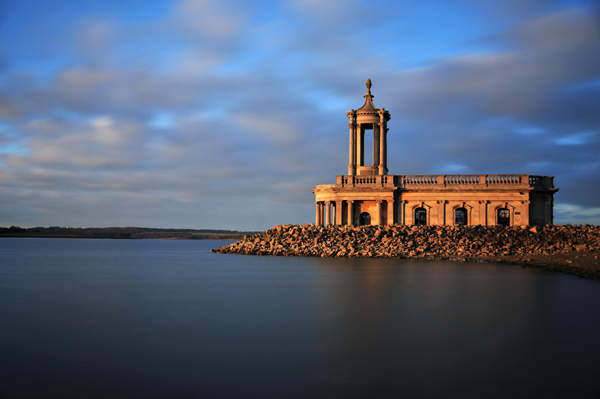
(350, 220)
(390, 212)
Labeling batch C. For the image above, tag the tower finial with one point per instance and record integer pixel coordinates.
(368, 97)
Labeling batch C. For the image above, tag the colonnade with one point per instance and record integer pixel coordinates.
(331, 212)
(347, 212)
(356, 151)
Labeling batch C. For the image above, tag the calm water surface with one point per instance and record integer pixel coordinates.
(161, 318)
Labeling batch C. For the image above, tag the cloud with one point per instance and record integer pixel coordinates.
(98, 143)
(209, 19)
(576, 138)
(96, 36)
(272, 129)
(576, 214)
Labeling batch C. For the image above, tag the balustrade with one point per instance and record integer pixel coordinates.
(503, 179)
(420, 179)
(461, 179)
(365, 180)
(446, 180)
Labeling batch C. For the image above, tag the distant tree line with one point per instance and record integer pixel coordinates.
(119, 233)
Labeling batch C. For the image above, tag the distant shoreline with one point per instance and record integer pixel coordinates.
(120, 233)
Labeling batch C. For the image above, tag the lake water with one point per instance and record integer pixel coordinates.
(163, 318)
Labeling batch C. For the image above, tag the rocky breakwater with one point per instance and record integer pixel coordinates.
(573, 249)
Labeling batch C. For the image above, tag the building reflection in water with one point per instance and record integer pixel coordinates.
(382, 316)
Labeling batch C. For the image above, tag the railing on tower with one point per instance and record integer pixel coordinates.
(377, 180)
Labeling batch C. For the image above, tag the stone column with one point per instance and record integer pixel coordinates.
(321, 213)
(398, 212)
(360, 151)
(481, 216)
(448, 219)
(350, 220)
(352, 150)
(382, 149)
(338, 213)
(316, 213)
(333, 213)
(376, 145)
(320, 210)
(327, 215)
(402, 213)
(442, 210)
(390, 212)
(409, 214)
(525, 213)
(378, 221)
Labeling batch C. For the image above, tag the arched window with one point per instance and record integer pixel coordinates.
(365, 219)
(504, 216)
(460, 217)
(420, 216)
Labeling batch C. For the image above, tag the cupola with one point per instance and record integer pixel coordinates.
(368, 118)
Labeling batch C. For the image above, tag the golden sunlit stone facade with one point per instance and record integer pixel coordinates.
(369, 195)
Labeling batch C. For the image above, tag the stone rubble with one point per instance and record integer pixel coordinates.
(434, 242)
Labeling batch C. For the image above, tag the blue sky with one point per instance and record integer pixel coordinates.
(225, 114)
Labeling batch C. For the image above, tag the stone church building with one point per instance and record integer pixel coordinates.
(369, 195)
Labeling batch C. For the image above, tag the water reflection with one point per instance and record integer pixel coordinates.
(397, 324)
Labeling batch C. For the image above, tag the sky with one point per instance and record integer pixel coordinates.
(225, 114)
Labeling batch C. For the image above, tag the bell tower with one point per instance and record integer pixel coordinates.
(368, 118)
